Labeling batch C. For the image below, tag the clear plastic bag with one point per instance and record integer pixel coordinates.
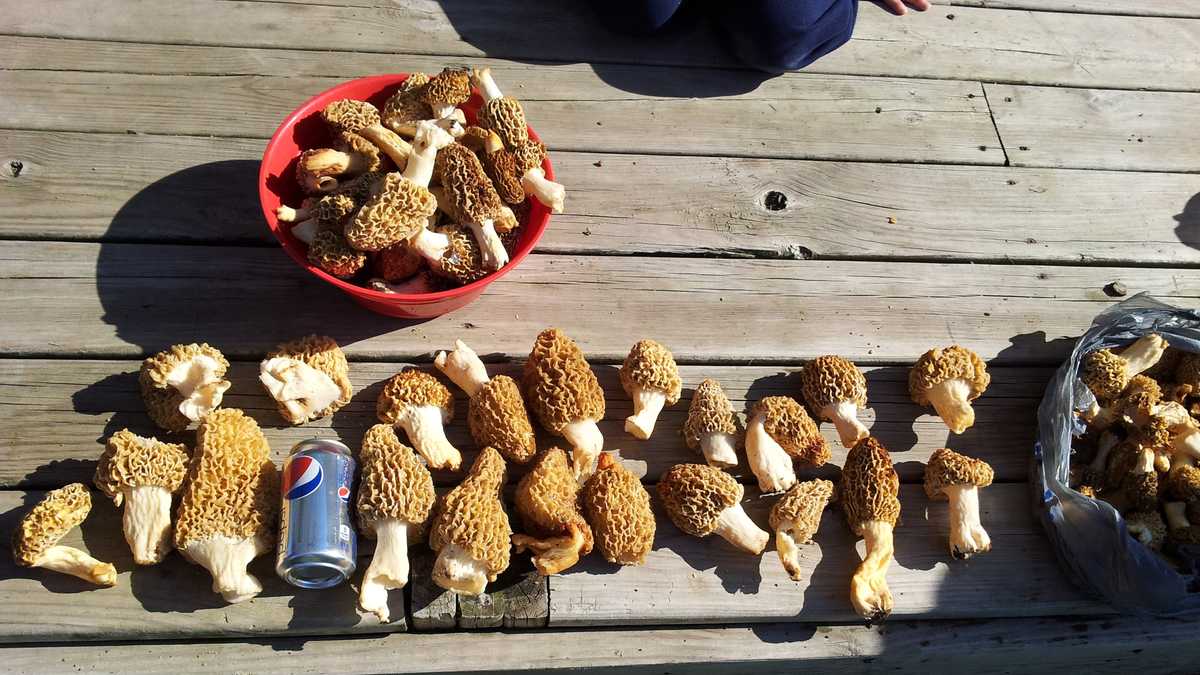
(1089, 535)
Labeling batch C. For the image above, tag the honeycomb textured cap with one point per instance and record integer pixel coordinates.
(618, 508)
(506, 117)
(547, 499)
(1183, 483)
(475, 138)
(331, 252)
(528, 155)
(828, 380)
(49, 521)
(710, 412)
(233, 486)
(332, 210)
(695, 496)
(350, 115)
(506, 176)
(398, 262)
(395, 485)
(406, 105)
(650, 365)
(869, 487)
(1147, 524)
(412, 387)
(497, 417)
(161, 399)
(789, 424)
(472, 515)
(947, 468)
(1188, 370)
(559, 385)
(951, 363)
(350, 142)
(465, 183)
(323, 354)
(397, 210)
(803, 504)
(463, 260)
(1104, 373)
(452, 85)
(130, 461)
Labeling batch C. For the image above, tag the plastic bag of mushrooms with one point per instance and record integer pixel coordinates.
(1114, 468)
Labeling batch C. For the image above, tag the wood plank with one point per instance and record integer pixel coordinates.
(169, 600)
(945, 43)
(118, 300)
(571, 107)
(55, 414)
(1130, 130)
(519, 598)
(1170, 8)
(433, 607)
(1111, 645)
(691, 580)
(115, 188)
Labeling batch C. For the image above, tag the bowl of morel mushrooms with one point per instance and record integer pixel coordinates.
(409, 192)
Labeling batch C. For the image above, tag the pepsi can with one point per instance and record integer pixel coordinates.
(317, 543)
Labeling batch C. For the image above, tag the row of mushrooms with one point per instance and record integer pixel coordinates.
(570, 501)
(410, 198)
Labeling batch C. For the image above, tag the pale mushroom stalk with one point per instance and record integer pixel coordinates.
(796, 517)
(456, 570)
(543, 189)
(491, 247)
(288, 214)
(844, 415)
(419, 170)
(647, 404)
(1143, 353)
(363, 119)
(950, 398)
(421, 405)
(70, 560)
(587, 442)
(488, 88)
(735, 526)
(966, 532)
(140, 475)
(463, 367)
(710, 426)
(869, 592)
(388, 568)
(702, 500)
(651, 378)
(146, 521)
(718, 449)
(771, 464)
(226, 559)
(424, 426)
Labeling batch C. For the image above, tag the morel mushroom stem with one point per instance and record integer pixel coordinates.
(718, 449)
(423, 424)
(951, 399)
(544, 190)
(491, 248)
(463, 367)
(69, 560)
(226, 559)
(844, 415)
(388, 568)
(1143, 353)
(287, 214)
(487, 85)
(586, 445)
(768, 460)
(147, 522)
(456, 570)
(734, 525)
(869, 592)
(647, 404)
(554, 554)
(966, 532)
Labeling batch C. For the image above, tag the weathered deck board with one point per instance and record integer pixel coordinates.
(119, 300)
(1132, 130)
(169, 600)
(55, 414)
(1015, 46)
(431, 607)
(573, 108)
(1001, 646)
(689, 580)
(1170, 8)
(114, 188)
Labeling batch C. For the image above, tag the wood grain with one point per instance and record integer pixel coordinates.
(691, 580)
(115, 188)
(1170, 8)
(946, 42)
(519, 598)
(432, 607)
(1110, 645)
(117, 300)
(55, 415)
(1130, 130)
(572, 107)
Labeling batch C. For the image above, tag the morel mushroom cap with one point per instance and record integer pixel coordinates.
(710, 426)
(396, 213)
(500, 113)
(701, 500)
(869, 491)
(471, 532)
(141, 474)
(1107, 373)
(836, 390)
(406, 107)
(617, 507)
(331, 252)
(957, 478)
(462, 260)
(362, 118)
(35, 542)
(564, 393)
(471, 199)
(949, 379)
(398, 262)
(366, 156)
(1147, 527)
(183, 384)
(446, 90)
(497, 417)
(650, 376)
(1187, 371)
(796, 518)
(548, 502)
(309, 378)
(421, 405)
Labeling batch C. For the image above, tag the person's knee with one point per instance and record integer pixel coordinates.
(782, 35)
(639, 17)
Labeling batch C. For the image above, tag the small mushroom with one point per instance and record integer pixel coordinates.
(142, 474)
(564, 394)
(702, 500)
(471, 200)
(710, 426)
(418, 403)
(332, 253)
(869, 492)
(35, 543)
(617, 507)
(524, 161)
(308, 378)
(497, 416)
(405, 109)
(796, 518)
(446, 90)
(651, 378)
(362, 118)
(470, 530)
(836, 390)
(183, 384)
(317, 170)
(778, 431)
(949, 379)
(548, 502)
(502, 114)
(957, 478)
(1107, 373)
(398, 262)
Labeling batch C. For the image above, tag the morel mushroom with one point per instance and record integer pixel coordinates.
(710, 425)
(362, 118)
(141, 474)
(524, 161)
(417, 402)
(796, 518)
(778, 431)
(308, 378)
(317, 170)
(949, 379)
(617, 507)
(502, 114)
(957, 478)
(332, 253)
(183, 384)
(548, 503)
(563, 392)
(471, 199)
(405, 109)
(869, 492)
(836, 390)
(395, 497)
(701, 500)
(488, 146)
(35, 543)
(398, 262)
(651, 378)
(470, 532)
(1147, 527)
(327, 213)
(230, 505)
(1107, 373)
(447, 90)
(497, 415)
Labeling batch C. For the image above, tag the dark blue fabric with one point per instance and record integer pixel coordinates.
(771, 35)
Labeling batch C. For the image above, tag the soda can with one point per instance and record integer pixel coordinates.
(317, 542)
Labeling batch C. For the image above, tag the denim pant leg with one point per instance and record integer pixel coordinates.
(782, 35)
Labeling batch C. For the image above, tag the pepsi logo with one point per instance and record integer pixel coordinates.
(344, 493)
(301, 477)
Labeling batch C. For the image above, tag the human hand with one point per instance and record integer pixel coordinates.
(898, 8)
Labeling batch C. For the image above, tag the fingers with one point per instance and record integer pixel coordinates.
(919, 5)
(894, 6)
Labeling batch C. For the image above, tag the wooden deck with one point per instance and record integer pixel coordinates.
(982, 173)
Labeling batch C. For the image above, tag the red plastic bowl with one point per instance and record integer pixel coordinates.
(303, 129)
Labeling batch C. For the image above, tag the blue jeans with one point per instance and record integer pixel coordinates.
(771, 35)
